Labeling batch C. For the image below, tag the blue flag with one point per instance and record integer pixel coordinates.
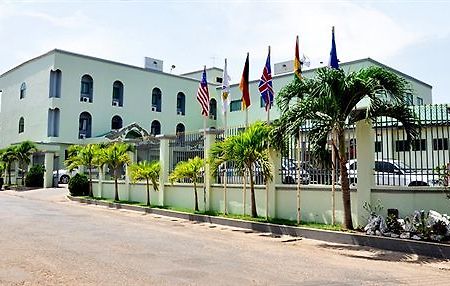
(334, 63)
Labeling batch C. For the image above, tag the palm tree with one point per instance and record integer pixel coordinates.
(148, 171)
(329, 102)
(8, 156)
(23, 152)
(115, 156)
(247, 152)
(191, 169)
(87, 156)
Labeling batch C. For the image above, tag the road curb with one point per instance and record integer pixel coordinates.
(431, 249)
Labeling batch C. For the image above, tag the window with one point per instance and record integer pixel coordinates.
(155, 128)
(219, 79)
(384, 167)
(55, 84)
(179, 129)
(53, 123)
(409, 99)
(440, 144)
(23, 90)
(116, 122)
(419, 145)
(156, 99)
(235, 105)
(117, 96)
(213, 109)
(85, 125)
(262, 103)
(21, 125)
(181, 104)
(419, 101)
(378, 146)
(402, 145)
(87, 88)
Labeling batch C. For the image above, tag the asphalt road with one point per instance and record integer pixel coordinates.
(47, 240)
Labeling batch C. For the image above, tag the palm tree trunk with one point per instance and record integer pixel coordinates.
(116, 186)
(9, 174)
(91, 193)
(195, 196)
(252, 194)
(148, 193)
(348, 224)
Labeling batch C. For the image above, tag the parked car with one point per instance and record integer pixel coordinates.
(391, 172)
(63, 175)
(289, 172)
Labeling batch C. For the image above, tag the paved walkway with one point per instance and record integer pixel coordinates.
(48, 240)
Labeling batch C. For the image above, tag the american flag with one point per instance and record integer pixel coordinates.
(203, 94)
(265, 84)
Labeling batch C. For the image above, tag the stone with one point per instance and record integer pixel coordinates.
(405, 235)
(394, 235)
(416, 237)
(377, 232)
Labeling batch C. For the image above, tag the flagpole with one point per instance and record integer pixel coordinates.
(333, 181)
(268, 152)
(299, 216)
(225, 90)
(225, 173)
(204, 161)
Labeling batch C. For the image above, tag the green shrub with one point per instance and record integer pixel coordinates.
(393, 224)
(79, 185)
(35, 177)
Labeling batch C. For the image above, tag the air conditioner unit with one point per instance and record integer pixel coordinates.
(115, 103)
(179, 112)
(85, 99)
(82, 136)
(153, 108)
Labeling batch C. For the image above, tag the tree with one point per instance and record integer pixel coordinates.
(329, 104)
(86, 156)
(8, 156)
(248, 153)
(148, 171)
(191, 169)
(115, 156)
(23, 152)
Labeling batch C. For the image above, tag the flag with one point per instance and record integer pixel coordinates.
(243, 86)
(297, 63)
(265, 84)
(203, 94)
(334, 63)
(225, 89)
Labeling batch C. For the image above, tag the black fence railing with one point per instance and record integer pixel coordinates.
(186, 146)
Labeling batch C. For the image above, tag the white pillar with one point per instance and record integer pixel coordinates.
(128, 176)
(164, 161)
(365, 150)
(208, 179)
(48, 165)
(275, 160)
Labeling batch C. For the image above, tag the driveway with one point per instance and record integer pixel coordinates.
(48, 240)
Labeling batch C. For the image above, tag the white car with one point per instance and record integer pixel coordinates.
(391, 172)
(289, 172)
(63, 175)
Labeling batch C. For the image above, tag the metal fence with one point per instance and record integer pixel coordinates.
(186, 146)
(399, 162)
(148, 150)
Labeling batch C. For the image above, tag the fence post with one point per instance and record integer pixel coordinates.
(101, 177)
(131, 154)
(48, 165)
(365, 150)
(208, 179)
(275, 160)
(164, 161)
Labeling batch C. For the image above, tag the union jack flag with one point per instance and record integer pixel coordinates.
(265, 84)
(203, 94)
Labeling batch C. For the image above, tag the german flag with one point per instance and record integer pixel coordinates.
(243, 86)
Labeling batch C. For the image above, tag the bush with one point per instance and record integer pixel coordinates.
(79, 185)
(35, 177)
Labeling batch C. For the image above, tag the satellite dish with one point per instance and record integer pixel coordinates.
(305, 61)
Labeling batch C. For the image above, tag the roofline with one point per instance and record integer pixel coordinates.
(196, 71)
(54, 51)
(349, 63)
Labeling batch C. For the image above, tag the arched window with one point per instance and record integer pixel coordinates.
(181, 104)
(87, 88)
(53, 123)
(21, 125)
(55, 84)
(116, 122)
(117, 96)
(213, 109)
(156, 99)
(155, 128)
(23, 90)
(180, 128)
(85, 125)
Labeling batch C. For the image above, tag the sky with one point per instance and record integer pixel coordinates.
(411, 36)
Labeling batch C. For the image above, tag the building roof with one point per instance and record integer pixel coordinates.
(54, 51)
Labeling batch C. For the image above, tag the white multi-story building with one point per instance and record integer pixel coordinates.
(62, 98)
